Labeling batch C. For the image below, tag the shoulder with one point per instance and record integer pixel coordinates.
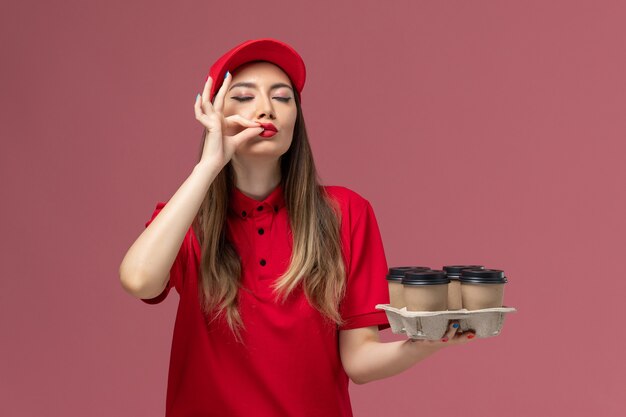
(351, 202)
(344, 194)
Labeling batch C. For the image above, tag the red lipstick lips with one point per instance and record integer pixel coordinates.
(269, 130)
(269, 126)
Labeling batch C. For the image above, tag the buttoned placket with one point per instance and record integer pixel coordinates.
(262, 223)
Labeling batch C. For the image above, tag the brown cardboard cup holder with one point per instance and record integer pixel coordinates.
(432, 325)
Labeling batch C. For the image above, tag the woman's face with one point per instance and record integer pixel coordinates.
(262, 92)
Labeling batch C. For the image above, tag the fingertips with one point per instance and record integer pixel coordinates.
(250, 123)
(466, 336)
(237, 119)
(452, 327)
(197, 107)
(469, 334)
(218, 101)
(207, 89)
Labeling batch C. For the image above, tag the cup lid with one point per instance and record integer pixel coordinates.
(456, 269)
(397, 273)
(483, 276)
(431, 277)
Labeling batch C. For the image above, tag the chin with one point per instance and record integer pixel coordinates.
(263, 150)
(266, 145)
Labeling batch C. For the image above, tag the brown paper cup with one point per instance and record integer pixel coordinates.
(454, 290)
(396, 294)
(394, 280)
(455, 300)
(478, 296)
(426, 297)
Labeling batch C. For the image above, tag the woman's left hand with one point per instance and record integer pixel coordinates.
(453, 336)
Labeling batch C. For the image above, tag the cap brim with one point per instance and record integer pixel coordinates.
(266, 49)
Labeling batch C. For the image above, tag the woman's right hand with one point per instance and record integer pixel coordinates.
(224, 134)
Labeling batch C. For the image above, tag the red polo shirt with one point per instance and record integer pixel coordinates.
(291, 365)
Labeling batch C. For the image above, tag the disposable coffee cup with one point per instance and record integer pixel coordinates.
(455, 300)
(426, 290)
(396, 289)
(482, 288)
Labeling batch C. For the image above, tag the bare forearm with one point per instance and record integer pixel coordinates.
(381, 360)
(146, 266)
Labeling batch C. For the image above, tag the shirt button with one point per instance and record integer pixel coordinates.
(262, 262)
(243, 213)
(260, 208)
(261, 231)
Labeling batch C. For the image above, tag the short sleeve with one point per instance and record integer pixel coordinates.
(178, 267)
(366, 273)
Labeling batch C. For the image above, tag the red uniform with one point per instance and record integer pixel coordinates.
(290, 365)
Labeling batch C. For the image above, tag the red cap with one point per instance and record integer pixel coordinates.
(266, 49)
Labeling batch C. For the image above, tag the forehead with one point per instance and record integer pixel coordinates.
(260, 72)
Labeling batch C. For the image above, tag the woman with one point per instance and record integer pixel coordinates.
(278, 276)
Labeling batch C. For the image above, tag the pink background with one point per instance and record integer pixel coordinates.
(481, 132)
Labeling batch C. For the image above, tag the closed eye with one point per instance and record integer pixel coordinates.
(241, 99)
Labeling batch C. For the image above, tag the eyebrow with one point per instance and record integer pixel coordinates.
(253, 85)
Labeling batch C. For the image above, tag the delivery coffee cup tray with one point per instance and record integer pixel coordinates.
(432, 325)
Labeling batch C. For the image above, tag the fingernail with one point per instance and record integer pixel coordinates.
(470, 336)
(226, 75)
(197, 97)
(455, 325)
(445, 339)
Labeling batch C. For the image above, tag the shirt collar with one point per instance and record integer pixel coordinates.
(244, 206)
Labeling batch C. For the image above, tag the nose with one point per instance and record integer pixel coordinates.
(265, 109)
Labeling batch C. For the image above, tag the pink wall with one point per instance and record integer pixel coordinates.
(489, 132)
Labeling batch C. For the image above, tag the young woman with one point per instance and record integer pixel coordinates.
(278, 276)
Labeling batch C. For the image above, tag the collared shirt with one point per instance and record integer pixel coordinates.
(290, 364)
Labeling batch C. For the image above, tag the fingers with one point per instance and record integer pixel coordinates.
(201, 115)
(466, 336)
(218, 102)
(246, 135)
(251, 130)
(462, 337)
(206, 103)
(236, 119)
(452, 336)
(452, 326)
(197, 107)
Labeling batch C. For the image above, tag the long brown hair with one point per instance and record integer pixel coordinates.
(315, 218)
